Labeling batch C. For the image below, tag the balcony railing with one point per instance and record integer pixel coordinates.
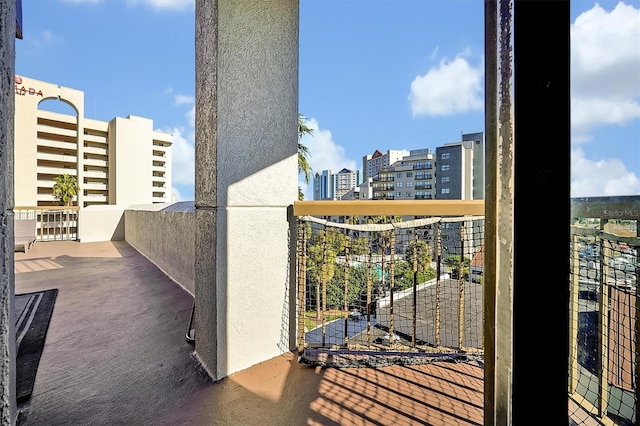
(53, 223)
(604, 303)
(376, 284)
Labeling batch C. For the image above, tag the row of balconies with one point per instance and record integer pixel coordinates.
(389, 178)
(421, 186)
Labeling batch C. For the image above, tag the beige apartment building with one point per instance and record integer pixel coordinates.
(120, 162)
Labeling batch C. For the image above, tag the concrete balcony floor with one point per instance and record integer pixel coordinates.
(116, 353)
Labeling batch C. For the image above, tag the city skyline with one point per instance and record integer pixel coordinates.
(395, 75)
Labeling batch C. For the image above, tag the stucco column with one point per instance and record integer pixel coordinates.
(246, 178)
(7, 291)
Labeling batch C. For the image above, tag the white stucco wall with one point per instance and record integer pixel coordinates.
(246, 180)
(131, 141)
(101, 223)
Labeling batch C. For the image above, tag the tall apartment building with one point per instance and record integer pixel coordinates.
(333, 186)
(455, 172)
(478, 163)
(120, 162)
(460, 169)
(372, 164)
(411, 178)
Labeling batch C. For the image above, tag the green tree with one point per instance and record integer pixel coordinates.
(303, 153)
(65, 189)
(454, 263)
(357, 286)
(423, 256)
(403, 275)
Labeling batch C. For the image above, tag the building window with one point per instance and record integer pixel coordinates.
(409, 194)
(409, 184)
(399, 184)
(445, 167)
(409, 174)
(398, 175)
(444, 191)
(445, 179)
(399, 193)
(444, 156)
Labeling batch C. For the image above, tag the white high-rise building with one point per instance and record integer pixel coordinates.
(120, 162)
(333, 186)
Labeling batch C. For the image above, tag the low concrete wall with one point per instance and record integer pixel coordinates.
(165, 234)
(101, 223)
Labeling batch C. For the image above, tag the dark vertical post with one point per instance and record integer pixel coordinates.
(414, 315)
(636, 334)
(438, 255)
(8, 35)
(302, 282)
(346, 288)
(322, 304)
(206, 176)
(542, 199)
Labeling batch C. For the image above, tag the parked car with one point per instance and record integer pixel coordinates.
(623, 263)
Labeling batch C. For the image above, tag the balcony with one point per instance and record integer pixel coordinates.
(379, 288)
(383, 178)
(116, 350)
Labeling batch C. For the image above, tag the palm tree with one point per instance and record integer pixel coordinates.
(64, 189)
(303, 153)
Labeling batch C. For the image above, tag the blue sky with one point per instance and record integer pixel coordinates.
(377, 74)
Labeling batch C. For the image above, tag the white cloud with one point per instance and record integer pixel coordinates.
(183, 158)
(605, 67)
(325, 154)
(175, 195)
(449, 88)
(46, 38)
(164, 4)
(82, 1)
(601, 178)
(587, 113)
(183, 151)
(184, 99)
(191, 119)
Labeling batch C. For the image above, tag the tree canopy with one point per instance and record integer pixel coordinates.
(65, 188)
(303, 153)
